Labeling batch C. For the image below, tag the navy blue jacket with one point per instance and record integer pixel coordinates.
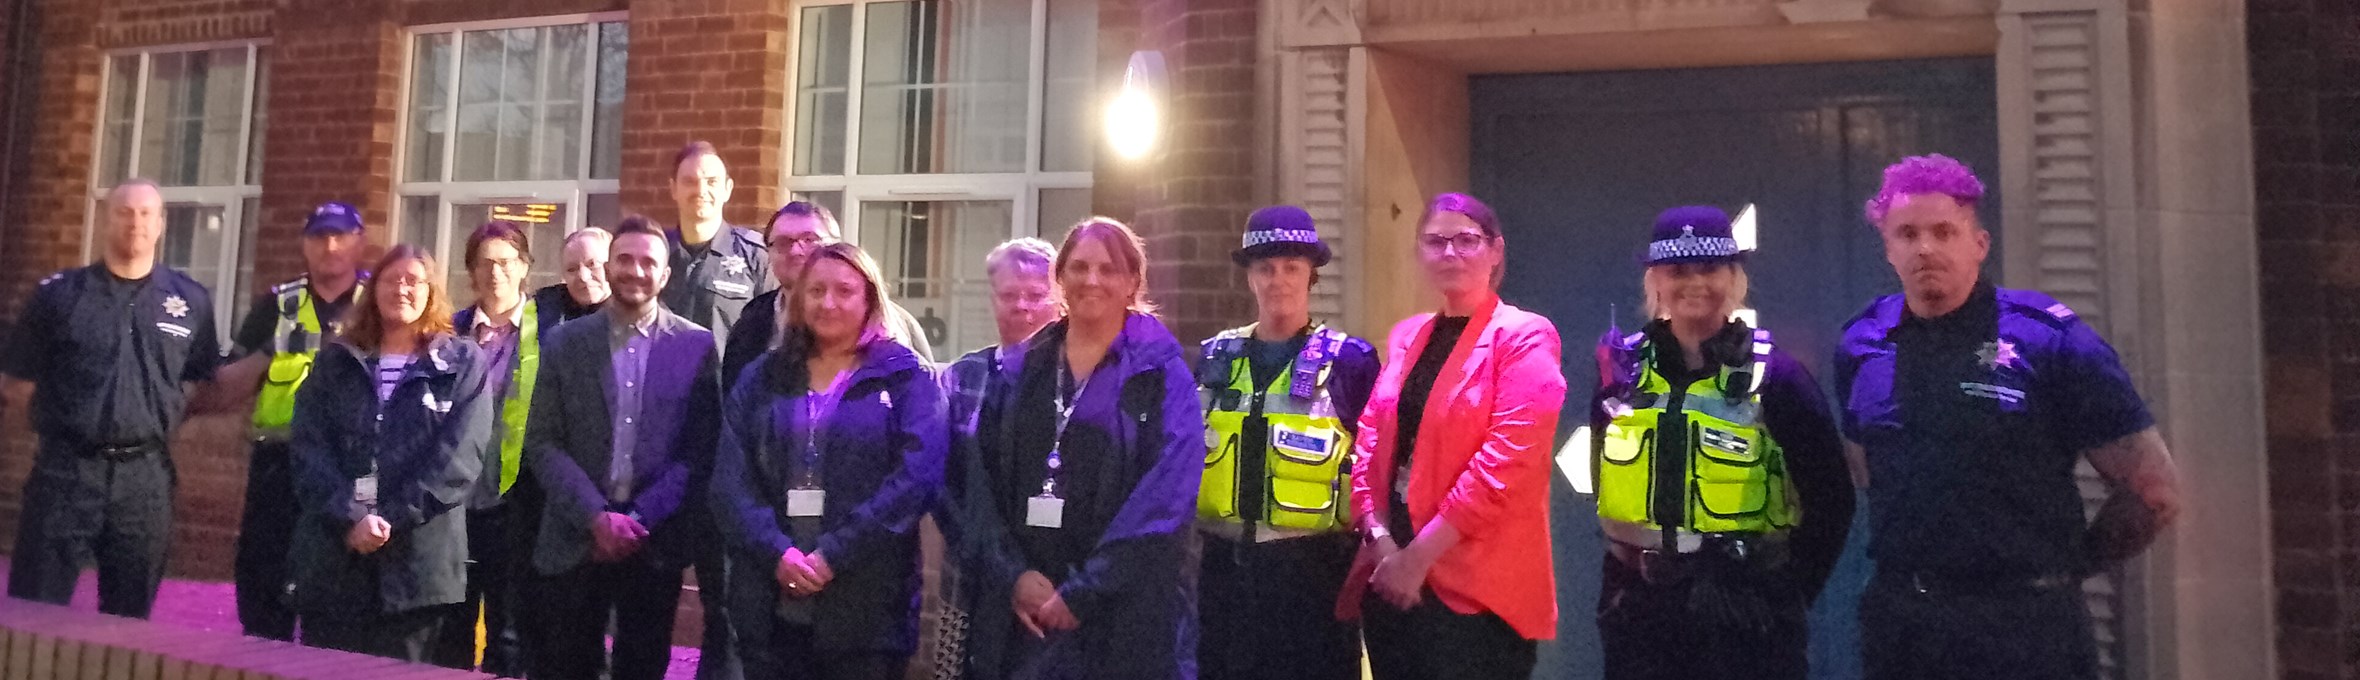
(1133, 458)
(428, 441)
(881, 457)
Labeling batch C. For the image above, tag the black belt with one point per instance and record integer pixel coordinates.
(1928, 583)
(118, 453)
(1766, 551)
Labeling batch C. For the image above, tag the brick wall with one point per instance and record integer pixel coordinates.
(2306, 113)
(714, 70)
(1195, 195)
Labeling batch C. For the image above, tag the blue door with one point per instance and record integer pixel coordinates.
(1577, 166)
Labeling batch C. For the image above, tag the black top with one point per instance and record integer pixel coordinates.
(1973, 423)
(1415, 387)
(107, 356)
(262, 319)
(555, 297)
(749, 337)
(711, 283)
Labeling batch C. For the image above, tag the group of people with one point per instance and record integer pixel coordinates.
(1270, 503)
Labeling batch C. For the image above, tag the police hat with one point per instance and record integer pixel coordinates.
(1281, 230)
(1695, 233)
(332, 218)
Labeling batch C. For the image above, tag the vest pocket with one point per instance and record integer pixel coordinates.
(1217, 497)
(1623, 477)
(1305, 464)
(1730, 474)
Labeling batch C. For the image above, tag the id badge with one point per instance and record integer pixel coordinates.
(364, 490)
(1047, 512)
(806, 502)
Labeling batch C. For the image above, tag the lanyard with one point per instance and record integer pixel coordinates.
(816, 407)
(1069, 395)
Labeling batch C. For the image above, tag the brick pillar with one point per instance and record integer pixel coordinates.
(714, 70)
(50, 201)
(1196, 192)
(336, 71)
(2306, 115)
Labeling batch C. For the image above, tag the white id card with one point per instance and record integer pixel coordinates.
(806, 502)
(364, 490)
(1047, 512)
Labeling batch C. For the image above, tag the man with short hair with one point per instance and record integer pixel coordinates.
(282, 330)
(105, 356)
(1966, 407)
(627, 412)
(716, 267)
(507, 326)
(581, 288)
(797, 229)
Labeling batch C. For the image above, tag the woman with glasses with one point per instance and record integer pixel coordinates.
(1451, 485)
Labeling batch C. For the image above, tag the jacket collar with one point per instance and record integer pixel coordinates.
(1143, 343)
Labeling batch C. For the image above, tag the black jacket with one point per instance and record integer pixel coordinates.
(882, 452)
(428, 442)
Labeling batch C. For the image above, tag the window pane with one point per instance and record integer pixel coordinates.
(483, 79)
(194, 113)
(1060, 209)
(944, 86)
(932, 254)
(430, 97)
(241, 294)
(114, 145)
(544, 225)
(558, 152)
(192, 242)
(606, 135)
(421, 219)
(261, 114)
(1072, 53)
(823, 74)
(602, 211)
(832, 200)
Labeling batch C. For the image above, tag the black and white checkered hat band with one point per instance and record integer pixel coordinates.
(1262, 236)
(1691, 245)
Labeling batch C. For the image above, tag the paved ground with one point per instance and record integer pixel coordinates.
(209, 605)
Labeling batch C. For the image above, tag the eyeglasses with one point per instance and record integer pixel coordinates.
(501, 263)
(806, 242)
(1464, 243)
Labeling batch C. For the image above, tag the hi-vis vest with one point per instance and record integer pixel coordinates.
(1307, 457)
(1732, 475)
(292, 345)
(520, 393)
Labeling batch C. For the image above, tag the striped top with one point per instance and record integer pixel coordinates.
(389, 373)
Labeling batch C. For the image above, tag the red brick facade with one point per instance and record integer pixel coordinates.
(714, 70)
(2306, 112)
(1199, 187)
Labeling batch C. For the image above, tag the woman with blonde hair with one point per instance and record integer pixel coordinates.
(389, 434)
(1091, 453)
(831, 448)
(1710, 564)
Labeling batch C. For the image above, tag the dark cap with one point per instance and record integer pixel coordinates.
(332, 218)
(1695, 233)
(1281, 230)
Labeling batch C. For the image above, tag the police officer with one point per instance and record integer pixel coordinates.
(716, 267)
(111, 351)
(282, 330)
(1282, 396)
(1713, 554)
(1967, 407)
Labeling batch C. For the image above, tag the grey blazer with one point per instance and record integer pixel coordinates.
(569, 437)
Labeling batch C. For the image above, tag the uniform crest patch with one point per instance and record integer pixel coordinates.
(176, 306)
(1999, 353)
(734, 264)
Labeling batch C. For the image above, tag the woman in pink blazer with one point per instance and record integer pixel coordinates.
(1451, 486)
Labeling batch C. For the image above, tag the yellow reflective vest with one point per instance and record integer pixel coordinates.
(292, 345)
(1730, 476)
(1306, 459)
(520, 393)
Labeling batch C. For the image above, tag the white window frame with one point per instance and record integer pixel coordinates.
(1022, 189)
(574, 193)
(233, 199)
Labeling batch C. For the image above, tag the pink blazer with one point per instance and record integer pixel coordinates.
(1481, 463)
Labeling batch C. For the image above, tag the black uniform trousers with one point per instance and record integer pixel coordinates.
(639, 598)
(1269, 611)
(1664, 631)
(494, 578)
(409, 636)
(791, 655)
(719, 657)
(81, 506)
(265, 529)
(1431, 642)
(1990, 630)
